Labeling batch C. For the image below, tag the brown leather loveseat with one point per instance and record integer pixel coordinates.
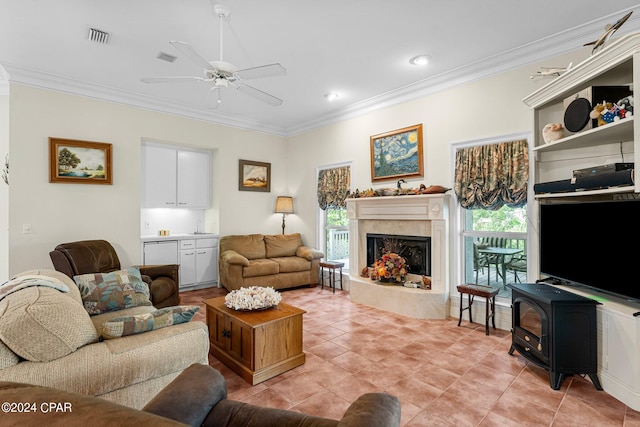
(98, 256)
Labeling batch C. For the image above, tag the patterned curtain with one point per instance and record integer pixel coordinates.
(490, 176)
(333, 187)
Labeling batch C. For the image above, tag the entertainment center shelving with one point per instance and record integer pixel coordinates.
(618, 331)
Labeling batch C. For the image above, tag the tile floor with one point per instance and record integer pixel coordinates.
(444, 375)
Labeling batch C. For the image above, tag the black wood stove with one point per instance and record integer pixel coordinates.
(555, 330)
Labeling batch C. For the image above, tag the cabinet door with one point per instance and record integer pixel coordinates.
(159, 177)
(187, 267)
(194, 179)
(240, 342)
(160, 253)
(217, 323)
(206, 265)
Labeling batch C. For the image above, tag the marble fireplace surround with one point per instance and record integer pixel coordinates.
(419, 215)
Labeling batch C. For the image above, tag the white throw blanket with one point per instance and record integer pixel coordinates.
(29, 280)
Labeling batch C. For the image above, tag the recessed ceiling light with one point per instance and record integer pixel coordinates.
(420, 60)
(331, 96)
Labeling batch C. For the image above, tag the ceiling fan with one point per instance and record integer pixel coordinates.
(222, 74)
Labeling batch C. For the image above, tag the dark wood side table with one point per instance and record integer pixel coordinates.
(257, 345)
(331, 266)
(488, 293)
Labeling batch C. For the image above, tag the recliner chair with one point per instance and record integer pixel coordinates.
(197, 397)
(98, 256)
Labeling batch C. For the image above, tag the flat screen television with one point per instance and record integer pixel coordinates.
(592, 244)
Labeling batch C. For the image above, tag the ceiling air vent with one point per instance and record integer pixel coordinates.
(166, 57)
(98, 36)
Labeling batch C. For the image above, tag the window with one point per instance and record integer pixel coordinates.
(337, 235)
(491, 185)
(334, 185)
(495, 247)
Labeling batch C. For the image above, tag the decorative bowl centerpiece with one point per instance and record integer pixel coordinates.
(252, 298)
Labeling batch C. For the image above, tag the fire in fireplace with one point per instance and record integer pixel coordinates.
(415, 249)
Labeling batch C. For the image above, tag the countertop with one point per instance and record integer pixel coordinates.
(180, 236)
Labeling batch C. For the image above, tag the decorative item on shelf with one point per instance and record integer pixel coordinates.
(284, 205)
(364, 272)
(252, 298)
(426, 282)
(609, 29)
(383, 192)
(432, 189)
(604, 113)
(391, 267)
(552, 132)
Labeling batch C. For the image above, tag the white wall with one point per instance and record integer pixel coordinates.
(480, 109)
(4, 189)
(67, 212)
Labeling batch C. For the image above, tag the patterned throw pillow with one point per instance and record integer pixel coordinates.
(103, 292)
(131, 325)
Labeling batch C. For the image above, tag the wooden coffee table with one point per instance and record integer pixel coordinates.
(257, 345)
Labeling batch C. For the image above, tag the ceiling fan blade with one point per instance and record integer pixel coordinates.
(214, 97)
(258, 94)
(173, 79)
(271, 70)
(190, 53)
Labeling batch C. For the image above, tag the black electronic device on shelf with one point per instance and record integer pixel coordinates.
(585, 182)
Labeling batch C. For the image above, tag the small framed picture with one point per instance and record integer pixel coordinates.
(254, 176)
(397, 154)
(79, 162)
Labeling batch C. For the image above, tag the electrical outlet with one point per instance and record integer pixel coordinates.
(26, 228)
(147, 225)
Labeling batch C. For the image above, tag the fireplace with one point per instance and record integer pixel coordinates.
(423, 217)
(415, 249)
(555, 330)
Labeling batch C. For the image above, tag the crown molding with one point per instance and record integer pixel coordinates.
(548, 47)
(4, 81)
(539, 50)
(46, 81)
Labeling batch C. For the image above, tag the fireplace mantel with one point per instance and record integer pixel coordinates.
(418, 215)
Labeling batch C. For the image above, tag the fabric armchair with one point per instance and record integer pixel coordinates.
(98, 256)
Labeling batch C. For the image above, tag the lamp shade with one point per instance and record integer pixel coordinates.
(284, 205)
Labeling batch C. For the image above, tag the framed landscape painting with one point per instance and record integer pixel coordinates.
(254, 176)
(79, 162)
(397, 154)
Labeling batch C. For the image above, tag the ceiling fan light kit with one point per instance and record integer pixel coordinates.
(221, 73)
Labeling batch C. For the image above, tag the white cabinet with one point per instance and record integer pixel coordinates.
(207, 260)
(193, 179)
(159, 184)
(198, 262)
(174, 177)
(160, 252)
(187, 263)
(617, 64)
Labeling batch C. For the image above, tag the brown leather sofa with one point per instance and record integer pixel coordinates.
(197, 397)
(98, 256)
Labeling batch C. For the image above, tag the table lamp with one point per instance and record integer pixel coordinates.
(284, 205)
